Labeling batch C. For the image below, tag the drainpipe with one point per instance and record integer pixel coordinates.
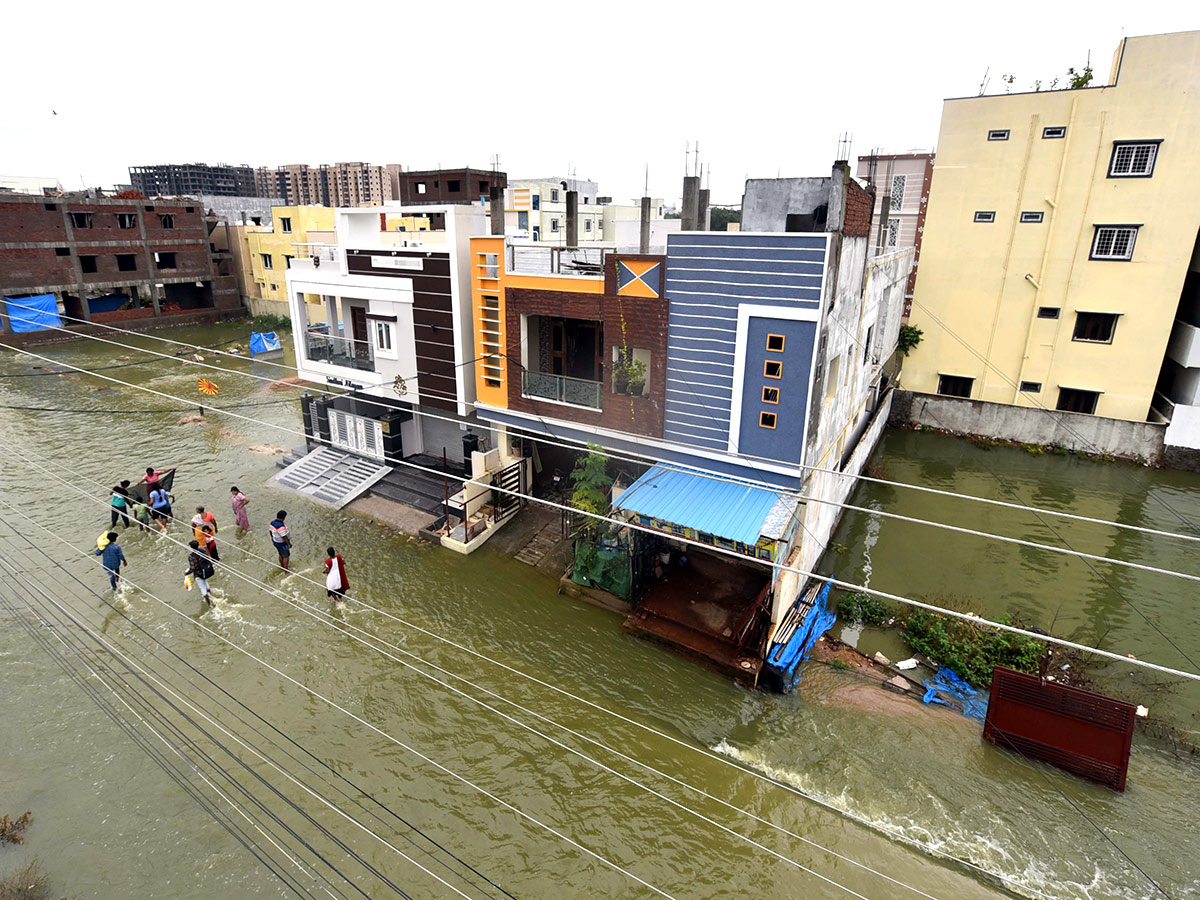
(644, 235)
(572, 218)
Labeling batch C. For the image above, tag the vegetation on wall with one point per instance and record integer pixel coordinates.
(910, 336)
(270, 322)
(591, 482)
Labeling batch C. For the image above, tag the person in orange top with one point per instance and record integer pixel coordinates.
(199, 521)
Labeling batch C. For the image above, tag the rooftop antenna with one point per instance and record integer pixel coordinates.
(646, 186)
(696, 163)
(687, 152)
(844, 141)
(984, 83)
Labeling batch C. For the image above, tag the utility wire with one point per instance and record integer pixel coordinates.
(374, 728)
(343, 627)
(640, 459)
(633, 526)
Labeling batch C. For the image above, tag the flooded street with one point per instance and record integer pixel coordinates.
(893, 786)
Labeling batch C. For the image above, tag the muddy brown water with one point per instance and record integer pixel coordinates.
(891, 782)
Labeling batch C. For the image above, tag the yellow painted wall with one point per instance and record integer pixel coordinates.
(272, 283)
(980, 285)
(491, 383)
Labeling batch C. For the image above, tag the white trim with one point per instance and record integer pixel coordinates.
(705, 374)
(745, 314)
(704, 362)
(744, 297)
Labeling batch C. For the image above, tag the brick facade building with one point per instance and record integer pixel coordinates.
(89, 253)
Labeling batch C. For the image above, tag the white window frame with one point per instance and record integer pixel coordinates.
(1030, 217)
(998, 134)
(285, 224)
(266, 260)
(1112, 235)
(554, 224)
(898, 196)
(383, 336)
(986, 216)
(1130, 149)
(1054, 131)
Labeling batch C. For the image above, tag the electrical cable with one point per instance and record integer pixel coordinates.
(633, 526)
(640, 459)
(341, 626)
(394, 740)
(137, 412)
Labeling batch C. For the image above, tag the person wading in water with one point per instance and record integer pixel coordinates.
(336, 580)
(239, 509)
(281, 538)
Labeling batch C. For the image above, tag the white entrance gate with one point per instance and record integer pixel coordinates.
(356, 433)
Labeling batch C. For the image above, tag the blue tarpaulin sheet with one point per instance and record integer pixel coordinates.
(946, 683)
(35, 313)
(107, 303)
(263, 342)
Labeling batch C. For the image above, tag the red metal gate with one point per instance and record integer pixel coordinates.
(1084, 733)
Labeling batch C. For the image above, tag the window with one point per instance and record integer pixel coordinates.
(274, 287)
(166, 220)
(287, 260)
(1114, 242)
(535, 201)
(1031, 387)
(189, 209)
(1047, 312)
(772, 368)
(256, 220)
(285, 224)
(1030, 218)
(955, 385)
(522, 221)
(554, 224)
(489, 337)
(491, 265)
(770, 395)
(126, 262)
(867, 344)
(267, 261)
(81, 220)
(587, 224)
(1096, 327)
(453, 185)
(831, 379)
(775, 343)
(899, 182)
(998, 134)
(87, 263)
(148, 208)
(893, 232)
(126, 220)
(1054, 131)
(164, 260)
(421, 187)
(985, 215)
(62, 251)
(1133, 159)
(51, 207)
(553, 196)
(383, 336)
(1075, 400)
(766, 420)
(483, 187)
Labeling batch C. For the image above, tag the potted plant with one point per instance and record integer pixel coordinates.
(637, 376)
(620, 373)
(629, 374)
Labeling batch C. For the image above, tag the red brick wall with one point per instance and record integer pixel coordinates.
(860, 203)
(21, 222)
(645, 329)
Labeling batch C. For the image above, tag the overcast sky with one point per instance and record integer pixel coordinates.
(602, 88)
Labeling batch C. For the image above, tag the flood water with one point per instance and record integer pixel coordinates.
(890, 784)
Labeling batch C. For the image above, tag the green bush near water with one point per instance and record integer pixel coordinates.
(863, 609)
(271, 322)
(970, 650)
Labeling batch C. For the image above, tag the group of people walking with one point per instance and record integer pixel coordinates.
(156, 510)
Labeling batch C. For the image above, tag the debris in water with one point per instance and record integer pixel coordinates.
(266, 448)
(193, 419)
(905, 664)
(881, 659)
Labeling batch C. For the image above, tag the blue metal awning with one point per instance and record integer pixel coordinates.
(730, 509)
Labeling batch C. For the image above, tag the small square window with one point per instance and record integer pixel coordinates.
(1054, 131)
(285, 224)
(1048, 312)
(1095, 327)
(772, 368)
(126, 262)
(267, 261)
(51, 207)
(148, 208)
(1133, 159)
(770, 395)
(421, 188)
(1030, 218)
(189, 209)
(553, 196)
(1031, 387)
(1075, 400)
(985, 215)
(775, 343)
(62, 251)
(1114, 242)
(164, 260)
(554, 224)
(126, 220)
(998, 134)
(87, 263)
(955, 385)
(453, 185)
(81, 219)
(766, 420)
(166, 220)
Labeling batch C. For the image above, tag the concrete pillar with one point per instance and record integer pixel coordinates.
(691, 200)
(572, 218)
(644, 234)
(496, 201)
(702, 211)
(156, 298)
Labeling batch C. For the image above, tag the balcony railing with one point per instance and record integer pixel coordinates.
(551, 259)
(562, 389)
(339, 351)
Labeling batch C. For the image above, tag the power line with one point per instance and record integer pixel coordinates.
(572, 444)
(390, 738)
(343, 626)
(633, 526)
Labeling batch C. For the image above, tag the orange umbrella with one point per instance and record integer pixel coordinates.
(206, 387)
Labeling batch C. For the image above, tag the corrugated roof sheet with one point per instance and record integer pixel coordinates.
(733, 510)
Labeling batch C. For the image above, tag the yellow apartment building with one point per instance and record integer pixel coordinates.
(1060, 231)
(270, 251)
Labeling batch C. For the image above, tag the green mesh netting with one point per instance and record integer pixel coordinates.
(601, 567)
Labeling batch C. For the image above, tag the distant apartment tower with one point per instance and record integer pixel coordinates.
(901, 181)
(1060, 264)
(193, 179)
(342, 184)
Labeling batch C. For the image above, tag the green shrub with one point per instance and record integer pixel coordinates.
(863, 609)
(271, 322)
(840, 664)
(969, 649)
